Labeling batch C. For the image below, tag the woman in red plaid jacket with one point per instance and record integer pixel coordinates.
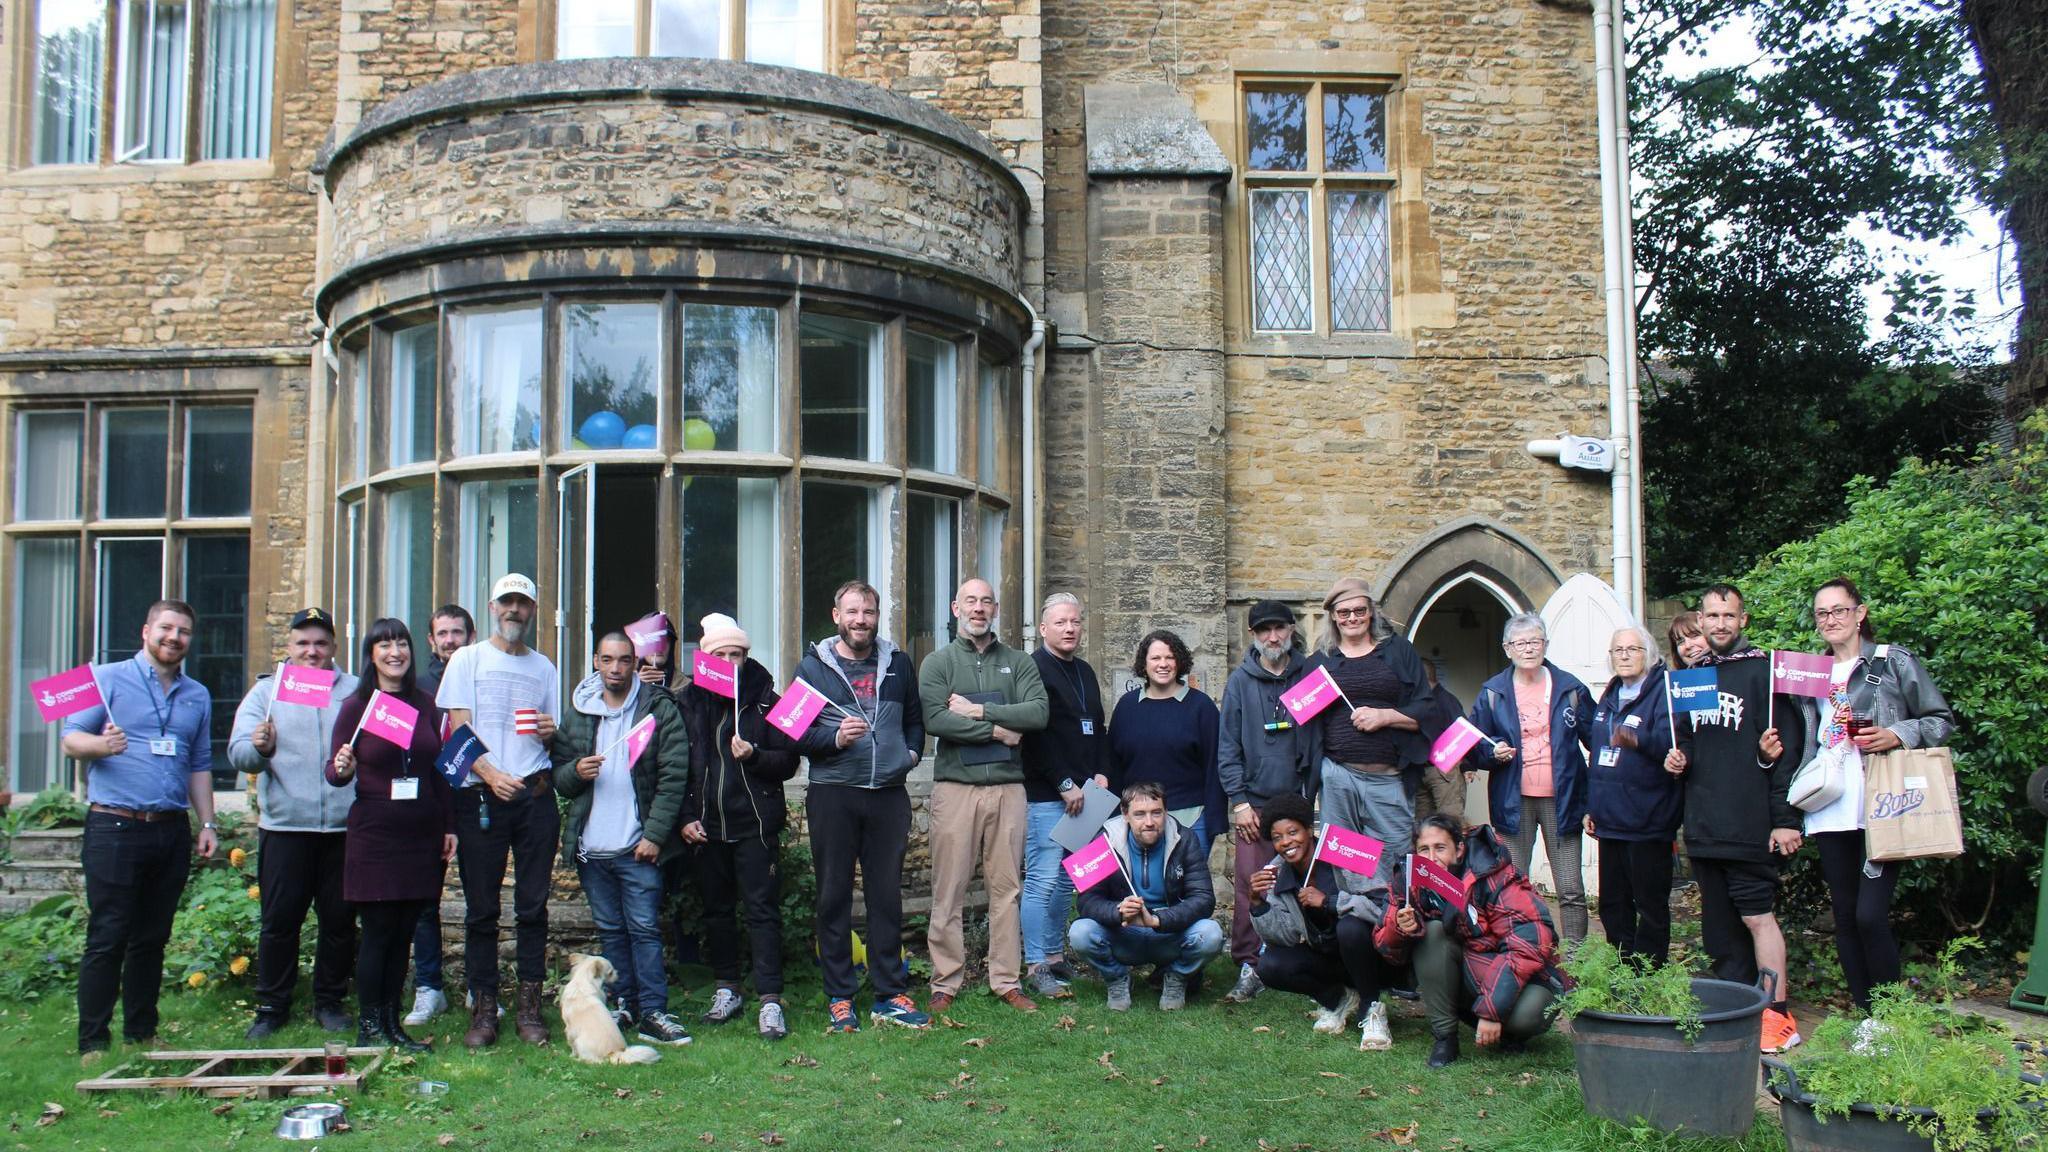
(1494, 964)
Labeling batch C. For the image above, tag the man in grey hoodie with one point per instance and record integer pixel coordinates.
(1260, 753)
(303, 822)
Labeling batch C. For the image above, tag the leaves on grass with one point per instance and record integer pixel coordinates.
(1158, 1081)
(1262, 1028)
(1525, 1079)
(622, 1093)
(1403, 1136)
(950, 1022)
(1064, 1024)
(223, 1109)
(1114, 1072)
(1413, 1089)
(975, 1042)
(706, 1138)
(770, 1138)
(108, 1113)
(445, 1139)
(1369, 1092)
(1331, 1075)
(52, 1112)
(800, 1060)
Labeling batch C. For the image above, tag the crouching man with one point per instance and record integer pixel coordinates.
(1156, 911)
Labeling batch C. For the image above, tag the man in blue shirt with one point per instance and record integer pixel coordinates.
(148, 754)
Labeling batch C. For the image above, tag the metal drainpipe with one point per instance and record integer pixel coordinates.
(1624, 196)
(1028, 361)
(1612, 211)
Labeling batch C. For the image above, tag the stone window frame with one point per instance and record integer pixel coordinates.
(1383, 74)
(838, 30)
(18, 146)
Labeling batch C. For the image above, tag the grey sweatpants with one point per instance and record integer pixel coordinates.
(1375, 803)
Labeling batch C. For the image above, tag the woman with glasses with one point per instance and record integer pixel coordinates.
(1880, 699)
(1633, 805)
(1538, 717)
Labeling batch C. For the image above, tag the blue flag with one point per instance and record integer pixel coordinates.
(462, 749)
(1694, 690)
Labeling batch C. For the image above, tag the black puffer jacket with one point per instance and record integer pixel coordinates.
(734, 800)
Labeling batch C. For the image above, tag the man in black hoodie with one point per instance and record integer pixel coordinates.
(1260, 753)
(1059, 761)
(1738, 824)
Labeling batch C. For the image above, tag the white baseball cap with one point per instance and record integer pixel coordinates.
(513, 584)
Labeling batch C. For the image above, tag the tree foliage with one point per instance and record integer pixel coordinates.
(1953, 564)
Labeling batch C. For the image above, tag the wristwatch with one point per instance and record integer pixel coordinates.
(207, 825)
(1067, 784)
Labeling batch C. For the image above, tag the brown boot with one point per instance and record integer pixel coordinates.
(483, 1020)
(533, 1027)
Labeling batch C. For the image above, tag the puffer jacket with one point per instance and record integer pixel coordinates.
(895, 739)
(1506, 933)
(737, 801)
(1629, 795)
(292, 792)
(1279, 919)
(1571, 719)
(661, 776)
(1189, 894)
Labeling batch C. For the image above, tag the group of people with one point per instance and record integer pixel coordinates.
(653, 770)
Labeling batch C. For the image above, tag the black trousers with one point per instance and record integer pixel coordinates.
(1635, 896)
(301, 871)
(380, 961)
(1322, 972)
(747, 874)
(134, 874)
(1863, 913)
(528, 830)
(869, 827)
(1722, 933)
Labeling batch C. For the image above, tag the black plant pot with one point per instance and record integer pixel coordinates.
(1642, 1069)
(1865, 1128)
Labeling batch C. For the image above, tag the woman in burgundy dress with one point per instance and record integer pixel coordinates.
(401, 831)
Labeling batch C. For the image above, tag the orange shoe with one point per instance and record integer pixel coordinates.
(1781, 1032)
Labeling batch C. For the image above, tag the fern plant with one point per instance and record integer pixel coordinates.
(1603, 980)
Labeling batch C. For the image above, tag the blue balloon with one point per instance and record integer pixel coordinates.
(641, 436)
(602, 430)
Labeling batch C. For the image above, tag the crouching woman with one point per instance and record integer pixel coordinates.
(1493, 965)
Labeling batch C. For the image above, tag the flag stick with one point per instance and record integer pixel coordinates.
(1771, 690)
(1670, 709)
(275, 685)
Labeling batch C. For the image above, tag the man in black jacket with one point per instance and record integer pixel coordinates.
(1156, 909)
(1059, 761)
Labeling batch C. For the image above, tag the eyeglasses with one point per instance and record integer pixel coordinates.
(1350, 613)
(1524, 645)
(1823, 615)
(1634, 650)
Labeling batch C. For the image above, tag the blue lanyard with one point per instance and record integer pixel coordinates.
(148, 674)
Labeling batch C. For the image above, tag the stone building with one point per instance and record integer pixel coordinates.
(713, 304)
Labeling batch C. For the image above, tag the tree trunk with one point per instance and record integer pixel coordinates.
(2011, 38)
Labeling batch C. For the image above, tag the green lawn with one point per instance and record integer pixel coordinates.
(1074, 1076)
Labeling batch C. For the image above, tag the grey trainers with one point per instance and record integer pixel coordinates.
(1045, 984)
(1120, 993)
(771, 1025)
(1173, 995)
(1248, 985)
(725, 1004)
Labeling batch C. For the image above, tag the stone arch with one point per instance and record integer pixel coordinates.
(1472, 549)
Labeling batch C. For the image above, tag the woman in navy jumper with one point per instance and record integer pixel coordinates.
(1166, 731)
(1633, 806)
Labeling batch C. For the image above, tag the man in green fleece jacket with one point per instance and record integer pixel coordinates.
(980, 696)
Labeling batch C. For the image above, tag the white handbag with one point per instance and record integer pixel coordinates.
(1819, 782)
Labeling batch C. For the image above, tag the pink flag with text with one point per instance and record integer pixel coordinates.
(1451, 747)
(637, 739)
(391, 718)
(297, 684)
(1315, 692)
(59, 696)
(714, 675)
(1430, 876)
(650, 636)
(1091, 864)
(798, 708)
(1801, 674)
(1351, 851)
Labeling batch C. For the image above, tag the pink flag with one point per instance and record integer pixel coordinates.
(1351, 851)
(1430, 876)
(59, 696)
(389, 717)
(636, 740)
(1801, 674)
(714, 675)
(1090, 865)
(798, 708)
(1451, 747)
(1315, 692)
(650, 636)
(297, 684)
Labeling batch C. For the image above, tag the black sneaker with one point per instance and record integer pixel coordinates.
(266, 1025)
(334, 1019)
(662, 1028)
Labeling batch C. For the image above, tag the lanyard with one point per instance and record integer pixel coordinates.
(1080, 682)
(163, 728)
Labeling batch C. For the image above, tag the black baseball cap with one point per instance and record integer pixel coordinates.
(306, 616)
(1269, 612)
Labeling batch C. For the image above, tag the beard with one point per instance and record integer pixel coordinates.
(512, 631)
(974, 631)
(1274, 653)
(853, 645)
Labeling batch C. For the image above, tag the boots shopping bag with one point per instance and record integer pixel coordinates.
(1910, 807)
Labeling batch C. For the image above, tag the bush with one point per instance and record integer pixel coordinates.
(39, 949)
(219, 919)
(1953, 563)
(1603, 980)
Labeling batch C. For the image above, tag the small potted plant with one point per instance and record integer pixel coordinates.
(1657, 1045)
(1914, 1076)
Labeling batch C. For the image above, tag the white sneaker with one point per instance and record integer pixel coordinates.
(427, 1003)
(1331, 1021)
(1373, 1034)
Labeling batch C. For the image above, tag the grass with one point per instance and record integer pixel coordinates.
(1073, 1076)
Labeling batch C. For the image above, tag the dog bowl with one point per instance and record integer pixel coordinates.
(430, 1087)
(311, 1121)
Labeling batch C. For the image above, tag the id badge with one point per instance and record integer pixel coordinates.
(405, 788)
(164, 746)
(1087, 727)
(1609, 757)
(1632, 722)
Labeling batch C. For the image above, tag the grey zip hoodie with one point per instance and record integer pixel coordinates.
(291, 788)
(1255, 762)
(895, 740)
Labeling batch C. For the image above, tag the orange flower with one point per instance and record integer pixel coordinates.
(196, 980)
(255, 892)
(237, 857)
(239, 966)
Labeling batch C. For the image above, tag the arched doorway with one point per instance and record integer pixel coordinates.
(1458, 628)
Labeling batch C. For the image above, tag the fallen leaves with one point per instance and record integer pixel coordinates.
(800, 1060)
(1114, 1072)
(975, 1042)
(1404, 1136)
(1331, 1075)
(706, 1138)
(223, 1109)
(622, 1093)
(445, 1139)
(52, 1112)
(770, 1138)
(1369, 1092)
(1525, 1079)
(1064, 1024)
(1262, 1028)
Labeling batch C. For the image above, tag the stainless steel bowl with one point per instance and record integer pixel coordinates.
(311, 1121)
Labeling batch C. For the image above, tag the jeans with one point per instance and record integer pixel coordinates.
(625, 902)
(301, 872)
(426, 949)
(525, 829)
(1114, 951)
(744, 874)
(869, 827)
(134, 874)
(1048, 893)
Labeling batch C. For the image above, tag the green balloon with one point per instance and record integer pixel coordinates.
(699, 435)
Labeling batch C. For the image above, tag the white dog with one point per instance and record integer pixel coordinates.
(593, 1035)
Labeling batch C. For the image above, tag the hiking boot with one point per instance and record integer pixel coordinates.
(333, 1018)
(842, 1017)
(770, 1023)
(1174, 995)
(532, 1026)
(483, 1020)
(427, 1003)
(1120, 993)
(1248, 985)
(1063, 972)
(662, 1028)
(395, 1034)
(1046, 984)
(370, 1029)
(265, 1025)
(1444, 1052)
(1333, 1021)
(1372, 1033)
(901, 1011)
(725, 1004)
(1781, 1032)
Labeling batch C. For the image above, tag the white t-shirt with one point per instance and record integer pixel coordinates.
(1846, 813)
(492, 684)
(614, 824)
